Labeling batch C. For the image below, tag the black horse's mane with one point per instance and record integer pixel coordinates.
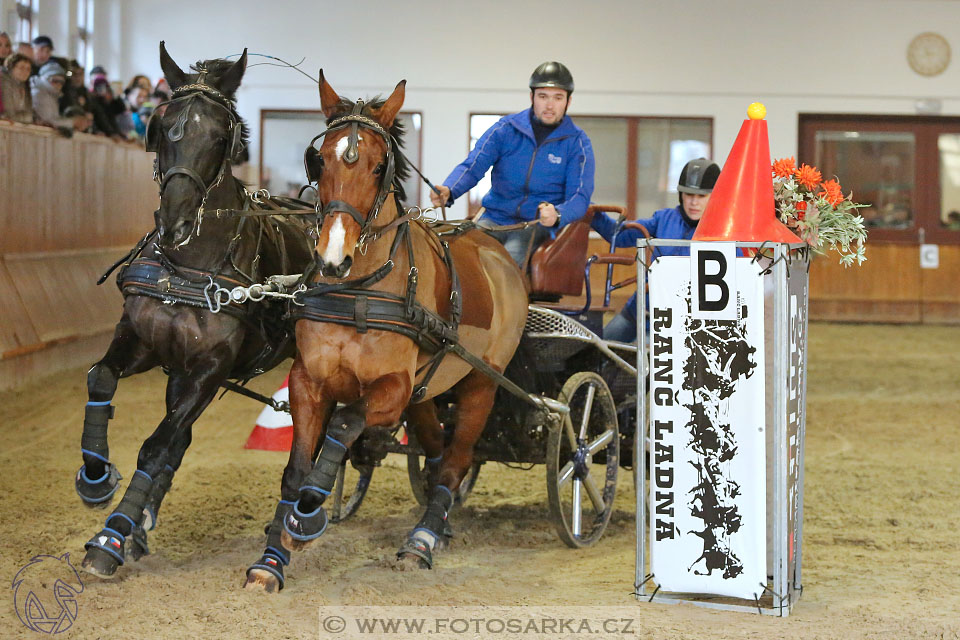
(214, 70)
(401, 168)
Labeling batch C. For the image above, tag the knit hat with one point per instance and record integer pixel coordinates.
(51, 69)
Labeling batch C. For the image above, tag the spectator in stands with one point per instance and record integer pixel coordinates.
(46, 88)
(26, 49)
(97, 72)
(108, 105)
(75, 93)
(161, 92)
(696, 183)
(128, 121)
(14, 80)
(6, 46)
(139, 81)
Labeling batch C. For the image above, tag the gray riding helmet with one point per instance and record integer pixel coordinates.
(698, 177)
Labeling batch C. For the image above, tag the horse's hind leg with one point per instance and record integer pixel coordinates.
(311, 411)
(187, 397)
(97, 479)
(475, 395)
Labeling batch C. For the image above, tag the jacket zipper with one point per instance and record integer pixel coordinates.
(526, 183)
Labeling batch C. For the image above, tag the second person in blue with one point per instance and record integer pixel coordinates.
(542, 166)
(676, 223)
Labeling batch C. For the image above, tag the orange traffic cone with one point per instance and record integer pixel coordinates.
(741, 207)
(274, 429)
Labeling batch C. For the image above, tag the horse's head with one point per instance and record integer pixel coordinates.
(355, 168)
(196, 135)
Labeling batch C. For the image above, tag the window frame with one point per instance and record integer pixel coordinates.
(264, 114)
(27, 11)
(926, 226)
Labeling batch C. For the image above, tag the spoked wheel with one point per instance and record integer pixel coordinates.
(353, 480)
(583, 457)
(420, 482)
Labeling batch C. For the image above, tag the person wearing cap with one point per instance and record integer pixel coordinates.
(45, 89)
(697, 180)
(542, 166)
(43, 53)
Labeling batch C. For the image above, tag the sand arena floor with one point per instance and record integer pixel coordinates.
(881, 531)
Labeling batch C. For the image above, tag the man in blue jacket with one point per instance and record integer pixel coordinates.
(677, 223)
(542, 166)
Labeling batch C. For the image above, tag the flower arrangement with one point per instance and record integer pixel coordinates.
(818, 212)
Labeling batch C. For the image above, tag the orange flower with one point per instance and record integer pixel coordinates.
(831, 192)
(784, 167)
(808, 176)
(801, 208)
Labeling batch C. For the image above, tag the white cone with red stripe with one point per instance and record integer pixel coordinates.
(274, 429)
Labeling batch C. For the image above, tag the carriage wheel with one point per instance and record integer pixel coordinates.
(420, 483)
(342, 506)
(583, 457)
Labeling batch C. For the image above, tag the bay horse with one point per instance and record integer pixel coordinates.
(167, 282)
(462, 288)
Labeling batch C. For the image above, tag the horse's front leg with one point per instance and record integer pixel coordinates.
(188, 394)
(310, 409)
(381, 404)
(475, 396)
(98, 478)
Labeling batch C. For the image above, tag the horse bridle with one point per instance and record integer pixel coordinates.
(386, 169)
(188, 93)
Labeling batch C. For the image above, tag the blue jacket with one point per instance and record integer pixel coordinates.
(665, 223)
(560, 171)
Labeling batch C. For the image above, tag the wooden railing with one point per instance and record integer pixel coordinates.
(68, 209)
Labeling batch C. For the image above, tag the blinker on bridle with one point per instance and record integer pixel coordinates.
(386, 169)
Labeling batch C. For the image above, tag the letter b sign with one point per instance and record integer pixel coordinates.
(712, 279)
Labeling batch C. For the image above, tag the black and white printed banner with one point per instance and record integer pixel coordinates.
(708, 469)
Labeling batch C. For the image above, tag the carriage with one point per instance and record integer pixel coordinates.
(582, 439)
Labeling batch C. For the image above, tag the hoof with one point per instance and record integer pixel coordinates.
(97, 493)
(416, 550)
(261, 580)
(300, 529)
(100, 563)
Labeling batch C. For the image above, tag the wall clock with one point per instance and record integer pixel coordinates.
(928, 54)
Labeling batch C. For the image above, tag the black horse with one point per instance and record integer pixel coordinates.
(205, 240)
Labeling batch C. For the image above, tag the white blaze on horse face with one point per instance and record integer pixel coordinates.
(196, 118)
(333, 254)
(342, 145)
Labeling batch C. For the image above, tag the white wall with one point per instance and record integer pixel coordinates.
(644, 57)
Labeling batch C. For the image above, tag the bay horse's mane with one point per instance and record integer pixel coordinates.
(215, 69)
(401, 169)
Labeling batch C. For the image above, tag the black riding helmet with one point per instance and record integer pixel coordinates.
(698, 177)
(552, 74)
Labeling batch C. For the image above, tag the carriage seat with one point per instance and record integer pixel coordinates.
(557, 266)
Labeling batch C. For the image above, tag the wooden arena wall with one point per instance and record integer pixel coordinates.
(69, 207)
